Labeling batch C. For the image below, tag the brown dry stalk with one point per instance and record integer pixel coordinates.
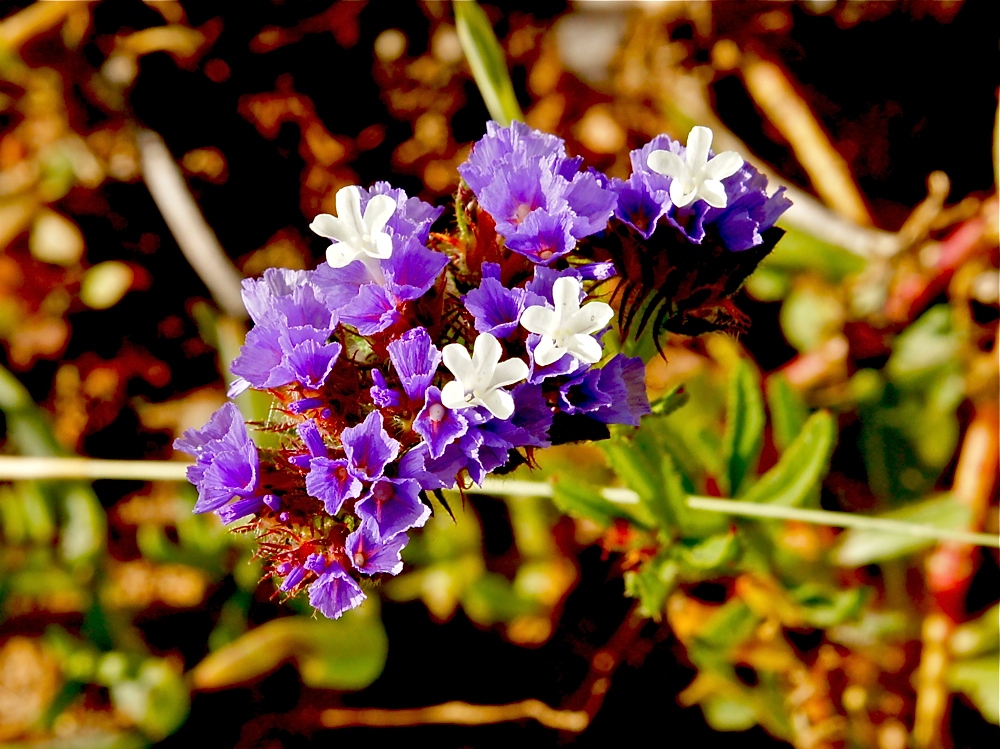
(458, 713)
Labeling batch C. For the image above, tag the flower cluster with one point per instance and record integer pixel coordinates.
(410, 361)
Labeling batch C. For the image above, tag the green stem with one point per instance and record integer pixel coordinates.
(840, 520)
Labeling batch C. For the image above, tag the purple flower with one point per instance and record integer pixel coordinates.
(412, 218)
(613, 394)
(416, 360)
(372, 304)
(541, 203)
(370, 553)
(334, 591)
(289, 342)
(226, 462)
(369, 448)
(382, 395)
(496, 308)
(438, 424)
(394, 506)
(644, 202)
(331, 482)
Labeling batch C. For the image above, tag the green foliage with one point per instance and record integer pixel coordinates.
(487, 60)
(744, 433)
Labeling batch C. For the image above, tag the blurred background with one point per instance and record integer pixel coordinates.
(125, 621)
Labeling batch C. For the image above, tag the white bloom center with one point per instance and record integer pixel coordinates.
(569, 328)
(356, 236)
(479, 378)
(696, 176)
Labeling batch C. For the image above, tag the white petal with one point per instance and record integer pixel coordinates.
(508, 372)
(547, 352)
(378, 212)
(537, 319)
(678, 196)
(340, 254)
(486, 352)
(713, 193)
(698, 144)
(592, 317)
(383, 246)
(723, 165)
(499, 402)
(349, 208)
(667, 163)
(327, 226)
(586, 348)
(453, 396)
(566, 295)
(456, 358)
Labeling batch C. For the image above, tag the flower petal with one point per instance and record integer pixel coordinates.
(723, 165)
(713, 193)
(698, 144)
(667, 163)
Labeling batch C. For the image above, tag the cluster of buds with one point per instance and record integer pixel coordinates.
(411, 362)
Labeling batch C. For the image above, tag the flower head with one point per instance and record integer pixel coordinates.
(479, 378)
(356, 235)
(569, 328)
(696, 176)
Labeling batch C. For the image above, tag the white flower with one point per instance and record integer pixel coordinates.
(569, 328)
(355, 236)
(696, 177)
(479, 378)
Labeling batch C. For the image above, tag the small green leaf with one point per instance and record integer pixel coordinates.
(822, 606)
(744, 426)
(788, 411)
(670, 402)
(798, 251)
(713, 553)
(979, 680)
(796, 476)
(860, 546)
(979, 636)
(491, 598)
(731, 624)
(727, 714)
(84, 529)
(574, 498)
(157, 700)
(487, 60)
(651, 584)
(345, 653)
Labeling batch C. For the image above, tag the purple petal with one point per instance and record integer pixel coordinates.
(394, 506)
(438, 425)
(370, 553)
(416, 360)
(369, 448)
(335, 592)
(330, 482)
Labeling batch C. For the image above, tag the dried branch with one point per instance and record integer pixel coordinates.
(457, 713)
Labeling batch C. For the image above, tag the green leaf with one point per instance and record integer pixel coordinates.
(346, 653)
(574, 498)
(798, 251)
(157, 700)
(84, 530)
(979, 636)
(731, 624)
(727, 714)
(651, 584)
(491, 598)
(823, 606)
(979, 680)
(796, 476)
(744, 426)
(713, 553)
(788, 411)
(670, 402)
(487, 61)
(860, 546)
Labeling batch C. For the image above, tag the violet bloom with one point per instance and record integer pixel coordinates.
(416, 359)
(438, 424)
(496, 308)
(394, 506)
(541, 203)
(227, 466)
(369, 448)
(613, 394)
(371, 554)
(372, 304)
(334, 590)
(289, 341)
(331, 483)
(644, 199)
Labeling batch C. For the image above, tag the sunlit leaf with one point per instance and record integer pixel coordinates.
(979, 680)
(795, 477)
(860, 546)
(744, 426)
(487, 60)
(651, 584)
(788, 412)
